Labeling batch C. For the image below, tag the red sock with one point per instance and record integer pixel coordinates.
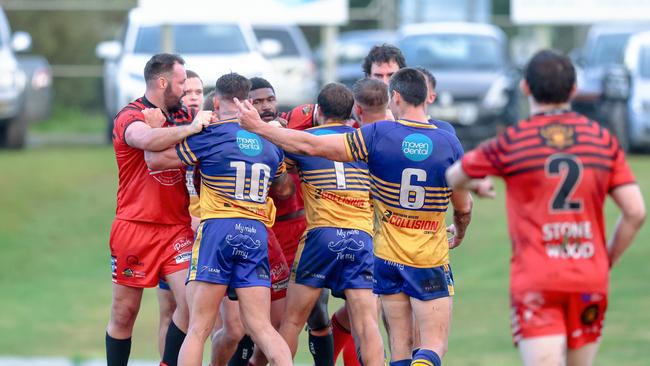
(341, 336)
(350, 357)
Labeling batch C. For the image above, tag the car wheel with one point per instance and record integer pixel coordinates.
(14, 133)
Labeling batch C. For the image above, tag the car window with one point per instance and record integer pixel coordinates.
(453, 51)
(283, 36)
(354, 51)
(608, 49)
(193, 39)
(644, 62)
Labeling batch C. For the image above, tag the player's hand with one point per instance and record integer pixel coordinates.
(276, 123)
(154, 117)
(484, 188)
(202, 119)
(452, 239)
(249, 118)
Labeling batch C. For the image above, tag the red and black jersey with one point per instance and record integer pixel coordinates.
(144, 195)
(558, 168)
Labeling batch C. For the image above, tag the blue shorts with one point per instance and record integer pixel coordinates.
(337, 259)
(231, 252)
(421, 283)
(163, 285)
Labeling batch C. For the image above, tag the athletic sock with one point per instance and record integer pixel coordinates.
(173, 343)
(243, 353)
(350, 355)
(406, 362)
(117, 351)
(322, 349)
(340, 335)
(426, 357)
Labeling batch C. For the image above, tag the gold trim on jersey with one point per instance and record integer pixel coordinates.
(414, 238)
(296, 258)
(420, 124)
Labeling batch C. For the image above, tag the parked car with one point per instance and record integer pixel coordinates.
(294, 75)
(602, 55)
(38, 87)
(210, 45)
(476, 83)
(13, 121)
(351, 48)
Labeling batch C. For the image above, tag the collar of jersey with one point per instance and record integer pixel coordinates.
(411, 123)
(331, 124)
(227, 120)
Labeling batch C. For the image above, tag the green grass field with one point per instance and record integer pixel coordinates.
(57, 206)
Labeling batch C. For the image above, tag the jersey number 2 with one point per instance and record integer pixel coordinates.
(569, 168)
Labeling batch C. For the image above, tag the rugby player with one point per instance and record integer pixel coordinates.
(336, 250)
(431, 97)
(192, 98)
(370, 101)
(558, 167)
(382, 62)
(231, 247)
(411, 270)
(151, 235)
(231, 338)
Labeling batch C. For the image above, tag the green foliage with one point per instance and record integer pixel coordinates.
(57, 208)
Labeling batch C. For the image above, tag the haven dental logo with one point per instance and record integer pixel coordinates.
(249, 143)
(417, 147)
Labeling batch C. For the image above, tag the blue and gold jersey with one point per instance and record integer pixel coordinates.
(336, 194)
(237, 168)
(407, 162)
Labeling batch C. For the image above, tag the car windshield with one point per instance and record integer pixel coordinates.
(288, 47)
(193, 39)
(608, 49)
(644, 62)
(453, 51)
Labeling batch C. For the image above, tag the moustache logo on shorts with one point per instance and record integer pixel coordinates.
(242, 240)
(343, 244)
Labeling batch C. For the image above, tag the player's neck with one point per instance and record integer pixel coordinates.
(158, 101)
(227, 110)
(369, 118)
(538, 108)
(413, 114)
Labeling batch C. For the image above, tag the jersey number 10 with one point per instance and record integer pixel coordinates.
(257, 181)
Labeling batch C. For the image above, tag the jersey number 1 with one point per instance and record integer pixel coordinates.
(569, 168)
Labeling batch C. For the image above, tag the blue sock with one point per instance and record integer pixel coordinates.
(406, 362)
(426, 357)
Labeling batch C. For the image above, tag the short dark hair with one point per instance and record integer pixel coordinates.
(550, 76)
(335, 101)
(260, 83)
(411, 84)
(383, 54)
(232, 85)
(208, 101)
(161, 63)
(370, 93)
(191, 74)
(430, 78)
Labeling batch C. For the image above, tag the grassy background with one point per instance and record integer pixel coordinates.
(57, 206)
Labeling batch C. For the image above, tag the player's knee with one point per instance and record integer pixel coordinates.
(123, 317)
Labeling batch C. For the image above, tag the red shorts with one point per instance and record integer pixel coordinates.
(289, 233)
(143, 253)
(578, 316)
(278, 268)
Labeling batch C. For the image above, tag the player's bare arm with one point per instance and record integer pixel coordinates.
(141, 136)
(330, 147)
(457, 178)
(283, 187)
(629, 200)
(162, 160)
(462, 201)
